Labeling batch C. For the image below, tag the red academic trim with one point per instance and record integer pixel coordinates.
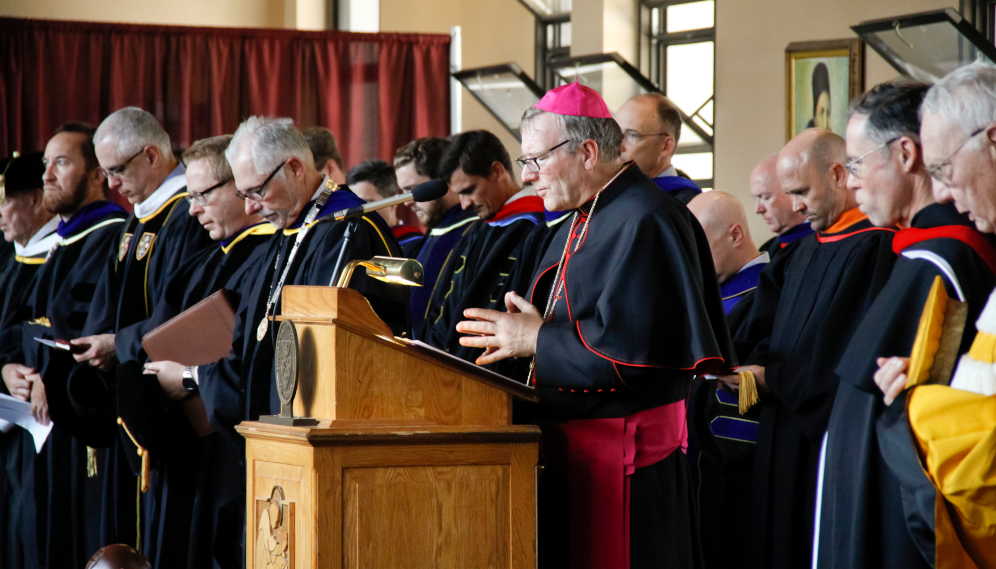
(524, 204)
(401, 231)
(967, 235)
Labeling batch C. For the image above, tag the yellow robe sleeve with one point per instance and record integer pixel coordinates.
(956, 432)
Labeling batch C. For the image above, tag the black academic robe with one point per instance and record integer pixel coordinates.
(16, 277)
(60, 507)
(410, 239)
(194, 508)
(640, 314)
(682, 188)
(434, 255)
(807, 306)
(148, 252)
(241, 387)
(721, 444)
(863, 522)
(778, 244)
(477, 273)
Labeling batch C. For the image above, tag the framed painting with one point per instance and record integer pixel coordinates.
(821, 79)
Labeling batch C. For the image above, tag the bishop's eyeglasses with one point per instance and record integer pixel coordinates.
(533, 163)
(256, 194)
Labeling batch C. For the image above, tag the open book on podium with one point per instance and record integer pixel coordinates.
(406, 442)
(200, 335)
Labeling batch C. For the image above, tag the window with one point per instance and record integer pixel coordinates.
(680, 43)
(553, 35)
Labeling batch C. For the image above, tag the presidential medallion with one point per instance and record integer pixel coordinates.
(261, 329)
(123, 247)
(144, 245)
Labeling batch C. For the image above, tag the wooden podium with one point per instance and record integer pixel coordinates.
(414, 462)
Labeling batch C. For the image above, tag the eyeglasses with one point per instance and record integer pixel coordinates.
(942, 172)
(199, 196)
(852, 165)
(256, 194)
(633, 137)
(116, 171)
(533, 163)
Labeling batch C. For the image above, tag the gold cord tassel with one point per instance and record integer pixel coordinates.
(91, 462)
(748, 390)
(142, 452)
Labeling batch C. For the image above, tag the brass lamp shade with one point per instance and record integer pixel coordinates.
(393, 270)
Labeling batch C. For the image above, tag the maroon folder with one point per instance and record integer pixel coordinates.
(200, 335)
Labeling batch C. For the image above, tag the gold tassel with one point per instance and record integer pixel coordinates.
(91, 462)
(142, 452)
(748, 390)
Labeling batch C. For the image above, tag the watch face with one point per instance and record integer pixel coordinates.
(189, 382)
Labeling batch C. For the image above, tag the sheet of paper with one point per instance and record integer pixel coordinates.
(19, 412)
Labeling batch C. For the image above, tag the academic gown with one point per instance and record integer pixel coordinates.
(194, 509)
(807, 305)
(477, 273)
(863, 522)
(16, 275)
(410, 239)
(434, 255)
(242, 386)
(721, 442)
(149, 250)
(682, 188)
(779, 243)
(640, 313)
(60, 508)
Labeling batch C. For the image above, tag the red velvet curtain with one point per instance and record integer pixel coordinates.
(374, 91)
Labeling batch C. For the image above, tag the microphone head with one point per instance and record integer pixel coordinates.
(431, 190)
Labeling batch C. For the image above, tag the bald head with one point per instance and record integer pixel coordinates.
(811, 171)
(724, 221)
(770, 201)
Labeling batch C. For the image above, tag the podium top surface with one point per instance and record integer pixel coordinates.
(348, 433)
(351, 310)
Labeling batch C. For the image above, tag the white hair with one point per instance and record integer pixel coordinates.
(965, 97)
(271, 142)
(134, 129)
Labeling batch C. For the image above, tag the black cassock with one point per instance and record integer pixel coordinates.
(477, 273)
(639, 315)
(806, 308)
(149, 250)
(194, 509)
(863, 523)
(59, 509)
(241, 387)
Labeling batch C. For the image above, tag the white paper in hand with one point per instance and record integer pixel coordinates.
(19, 413)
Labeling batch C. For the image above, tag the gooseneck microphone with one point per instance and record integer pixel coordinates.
(424, 192)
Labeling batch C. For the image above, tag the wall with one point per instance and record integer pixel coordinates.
(234, 13)
(751, 36)
(494, 31)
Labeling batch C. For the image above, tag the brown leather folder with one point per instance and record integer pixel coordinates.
(200, 335)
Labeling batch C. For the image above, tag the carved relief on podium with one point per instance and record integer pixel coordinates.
(274, 532)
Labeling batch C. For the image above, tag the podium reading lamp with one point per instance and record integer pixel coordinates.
(393, 270)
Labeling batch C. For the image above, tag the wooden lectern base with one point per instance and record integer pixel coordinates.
(390, 493)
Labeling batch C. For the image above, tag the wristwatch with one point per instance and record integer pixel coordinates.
(188, 380)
